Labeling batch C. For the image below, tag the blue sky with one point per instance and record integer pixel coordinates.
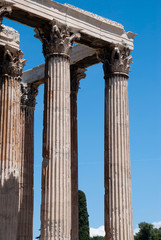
(142, 17)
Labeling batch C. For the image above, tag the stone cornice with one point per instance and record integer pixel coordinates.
(95, 16)
(116, 60)
(6, 3)
(28, 95)
(12, 62)
(76, 74)
(56, 38)
(10, 36)
(95, 31)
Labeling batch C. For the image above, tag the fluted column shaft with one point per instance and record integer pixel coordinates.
(118, 203)
(56, 169)
(10, 71)
(10, 156)
(74, 167)
(76, 75)
(117, 160)
(25, 222)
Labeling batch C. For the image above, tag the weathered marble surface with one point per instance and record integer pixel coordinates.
(10, 37)
(105, 41)
(79, 54)
(56, 167)
(10, 95)
(118, 202)
(11, 66)
(95, 30)
(76, 74)
(26, 193)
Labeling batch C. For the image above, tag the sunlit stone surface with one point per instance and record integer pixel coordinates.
(58, 26)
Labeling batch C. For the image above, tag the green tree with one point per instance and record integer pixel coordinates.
(157, 233)
(148, 232)
(97, 238)
(83, 217)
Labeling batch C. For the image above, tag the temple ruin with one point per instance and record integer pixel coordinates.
(98, 40)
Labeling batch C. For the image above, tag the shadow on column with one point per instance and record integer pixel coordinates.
(25, 218)
(9, 201)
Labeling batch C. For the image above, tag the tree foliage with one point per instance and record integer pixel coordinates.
(148, 232)
(97, 238)
(83, 217)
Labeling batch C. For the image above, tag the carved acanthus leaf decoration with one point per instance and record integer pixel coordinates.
(115, 59)
(12, 63)
(56, 39)
(76, 75)
(28, 95)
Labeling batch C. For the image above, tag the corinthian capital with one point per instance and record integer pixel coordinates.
(76, 75)
(56, 38)
(28, 95)
(11, 62)
(116, 59)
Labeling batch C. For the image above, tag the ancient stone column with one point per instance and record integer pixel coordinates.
(118, 203)
(11, 65)
(56, 169)
(76, 75)
(25, 220)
